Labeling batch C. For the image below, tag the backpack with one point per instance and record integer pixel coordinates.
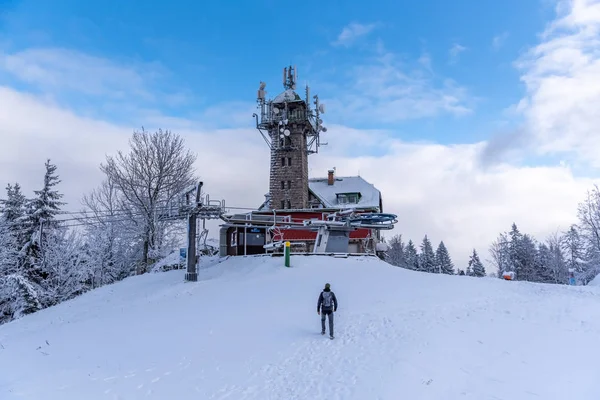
(327, 299)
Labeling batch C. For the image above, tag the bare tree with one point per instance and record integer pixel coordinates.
(557, 264)
(589, 217)
(112, 240)
(157, 168)
(500, 255)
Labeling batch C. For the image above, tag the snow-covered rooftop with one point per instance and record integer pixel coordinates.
(287, 95)
(369, 195)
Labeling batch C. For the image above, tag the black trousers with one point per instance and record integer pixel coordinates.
(329, 314)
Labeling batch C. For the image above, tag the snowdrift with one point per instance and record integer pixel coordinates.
(249, 330)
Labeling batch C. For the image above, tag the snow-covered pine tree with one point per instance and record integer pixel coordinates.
(14, 295)
(395, 254)
(411, 256)
(13, 207)
(515, 251)
(527, 258)
(475, 267)
(543, 261)
(8, 266)
(46, 204)
(40, 225)
(13, 214)
(427, 256)
(443, 261)
(573, 249)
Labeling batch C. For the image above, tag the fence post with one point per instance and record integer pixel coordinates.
(287, 254)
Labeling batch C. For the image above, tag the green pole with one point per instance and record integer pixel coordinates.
(287, 254)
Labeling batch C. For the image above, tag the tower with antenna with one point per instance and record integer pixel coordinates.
(292, 129)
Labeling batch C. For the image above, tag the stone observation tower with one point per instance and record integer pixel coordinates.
(292, 130)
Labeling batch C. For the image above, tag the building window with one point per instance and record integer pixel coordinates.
(282, 204)
(289, 184)
(289, 205)
(348, 198)
(286, 141)
(289, 161)
(283, 161)
(283, 184)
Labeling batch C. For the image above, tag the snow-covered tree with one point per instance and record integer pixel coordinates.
(500, 254)
(13, 207)
(557, 266)
(156, 170)
(427, 256)
(46, 204)
(65, 266)
(21, 297)
(395, 254)
(588, 213)
(526, 259)
(40, 223)
(443, 262)
(112, 244)
(543, 261)
(411, 256)
(573, 248)
(475, 267)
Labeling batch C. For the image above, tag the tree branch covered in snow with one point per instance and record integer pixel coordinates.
(44, 262)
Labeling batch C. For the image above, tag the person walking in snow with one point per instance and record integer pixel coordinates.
(326, 306)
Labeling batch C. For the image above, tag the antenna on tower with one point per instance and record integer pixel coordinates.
(289, 77)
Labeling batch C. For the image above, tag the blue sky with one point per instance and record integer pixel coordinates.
(213, 54)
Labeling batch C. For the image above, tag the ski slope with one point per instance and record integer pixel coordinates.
(249, 330)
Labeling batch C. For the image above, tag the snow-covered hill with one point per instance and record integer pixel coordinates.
(249, 330)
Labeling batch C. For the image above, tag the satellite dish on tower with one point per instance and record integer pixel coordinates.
(322, 108)
(286, 132)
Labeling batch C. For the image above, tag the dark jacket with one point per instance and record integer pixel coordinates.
(321, 305)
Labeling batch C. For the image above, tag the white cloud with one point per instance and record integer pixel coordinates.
(389, 89)
(55, 68)
(499, 40)
(561, 76)
(353, 31)
(435, 190)
(455, 51)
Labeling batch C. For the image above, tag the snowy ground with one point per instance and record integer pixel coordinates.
(249, 330)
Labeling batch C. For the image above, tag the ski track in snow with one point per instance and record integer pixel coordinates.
(415, 336)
